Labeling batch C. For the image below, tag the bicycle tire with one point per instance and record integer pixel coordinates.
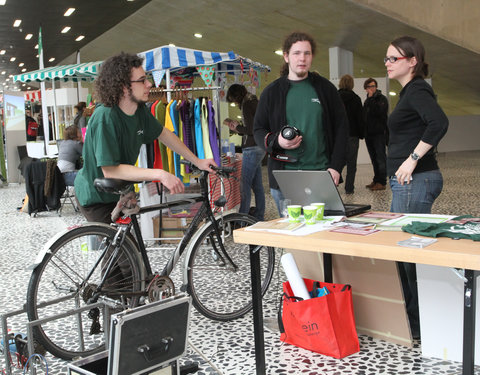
(218, 291)
(62, 273)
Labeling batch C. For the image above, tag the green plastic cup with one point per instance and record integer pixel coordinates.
(310, 214)
(320, 210)
(294, 211)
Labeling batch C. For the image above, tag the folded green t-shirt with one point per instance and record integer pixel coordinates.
(465, 226)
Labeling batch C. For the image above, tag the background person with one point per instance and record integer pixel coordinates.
(310, 103)
(69, 153)
(80, 120)
(252, 155)
(116, 131)
(416, 126)
(376, 115)
(356, 128)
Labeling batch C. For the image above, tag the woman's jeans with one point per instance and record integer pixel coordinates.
(416, 197)
(69, 178)
(252, 180)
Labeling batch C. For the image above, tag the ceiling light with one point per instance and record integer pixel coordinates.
(69, 11)
(23, 85)
(28, 36)
(392, 93)
(232, 104)
(279, 52)
(79, 38)
(2, 2)
(13, 59)
(198, 35)
(36, 47)
(24, 70)
(66, 29)
(4, 72)
(21, 64)
(51, 59)
(2, 52)
(171, 45)
(17, 23)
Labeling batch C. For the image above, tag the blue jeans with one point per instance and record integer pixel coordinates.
(277, 196)
(416, 197)
(69, 178)
(252, 180)
(376, 149)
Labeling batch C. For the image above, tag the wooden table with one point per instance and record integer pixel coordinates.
(445, 252)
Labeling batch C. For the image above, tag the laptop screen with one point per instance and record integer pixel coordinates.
(305, 187)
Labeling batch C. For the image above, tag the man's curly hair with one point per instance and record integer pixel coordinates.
(115, 74)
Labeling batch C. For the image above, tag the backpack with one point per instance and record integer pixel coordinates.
(32, 128)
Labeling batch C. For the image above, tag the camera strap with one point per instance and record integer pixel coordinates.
(283, 157)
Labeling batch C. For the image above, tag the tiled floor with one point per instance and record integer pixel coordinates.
(230, 345)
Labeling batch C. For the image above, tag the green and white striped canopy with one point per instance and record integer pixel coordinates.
(75, 72)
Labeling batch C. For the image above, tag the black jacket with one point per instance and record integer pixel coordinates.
(271, 117)
(248, 107)
(376, 114)
(417, 117)
(353, 106)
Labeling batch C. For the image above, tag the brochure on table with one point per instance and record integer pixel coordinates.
(295, 229)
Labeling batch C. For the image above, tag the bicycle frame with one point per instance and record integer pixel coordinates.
(205, 211)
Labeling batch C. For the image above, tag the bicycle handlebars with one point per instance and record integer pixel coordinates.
(118, 186)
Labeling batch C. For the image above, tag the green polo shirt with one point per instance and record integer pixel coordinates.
(305, 112)
(112, 138)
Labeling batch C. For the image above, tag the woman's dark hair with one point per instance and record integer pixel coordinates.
(346, 82)
(368, 81)
(236, 93)
(296, 36)
(115, 74)
(411, 47)
(70, 132)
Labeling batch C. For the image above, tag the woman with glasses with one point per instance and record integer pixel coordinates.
(416, 126)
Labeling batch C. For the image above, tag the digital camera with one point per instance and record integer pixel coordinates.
(289, 132)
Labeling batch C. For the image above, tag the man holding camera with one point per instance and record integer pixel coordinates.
(300, 120)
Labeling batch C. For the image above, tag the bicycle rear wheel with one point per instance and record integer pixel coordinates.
(218, 290)
(62, 283)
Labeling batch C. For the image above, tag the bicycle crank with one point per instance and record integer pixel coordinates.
(160, 287)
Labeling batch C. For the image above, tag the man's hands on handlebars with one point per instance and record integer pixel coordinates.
(175, 185)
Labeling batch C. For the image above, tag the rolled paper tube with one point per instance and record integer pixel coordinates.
(294, 278)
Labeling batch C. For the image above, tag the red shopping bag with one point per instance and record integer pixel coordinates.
(325, 325)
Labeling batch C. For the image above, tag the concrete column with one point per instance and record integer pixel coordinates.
(341, 62)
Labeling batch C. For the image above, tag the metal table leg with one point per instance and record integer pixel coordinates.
(469, 307)
(257, 309)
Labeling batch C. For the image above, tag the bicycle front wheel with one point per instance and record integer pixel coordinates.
(69, 277)
(221, 287)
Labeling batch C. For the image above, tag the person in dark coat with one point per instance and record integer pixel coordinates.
(356, 128)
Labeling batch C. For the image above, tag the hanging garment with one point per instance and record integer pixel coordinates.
(169, 126)
(160, 113)
(205, 135)
(187, 130)
(212, 132)
(174, 118)
(198, 131)
(191, 116)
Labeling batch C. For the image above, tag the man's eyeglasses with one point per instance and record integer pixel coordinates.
(393, 59)
(370, 86)
(140, 80)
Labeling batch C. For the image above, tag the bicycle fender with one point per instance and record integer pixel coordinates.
(46, 248)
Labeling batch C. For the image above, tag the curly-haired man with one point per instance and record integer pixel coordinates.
(116, 131)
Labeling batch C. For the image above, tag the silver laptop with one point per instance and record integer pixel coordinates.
(305, 187)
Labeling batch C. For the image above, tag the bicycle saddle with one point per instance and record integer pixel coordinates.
(111, 185)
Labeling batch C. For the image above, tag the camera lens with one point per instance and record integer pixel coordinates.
(289, 132)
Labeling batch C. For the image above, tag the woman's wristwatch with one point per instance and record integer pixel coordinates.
(415, 156)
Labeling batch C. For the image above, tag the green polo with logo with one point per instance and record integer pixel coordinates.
(112, 138)
(305, 112)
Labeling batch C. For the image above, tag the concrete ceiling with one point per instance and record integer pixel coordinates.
(255, 29)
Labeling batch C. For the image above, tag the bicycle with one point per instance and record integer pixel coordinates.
(98, 262)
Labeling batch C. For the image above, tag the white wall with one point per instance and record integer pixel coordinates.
(463, 134)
